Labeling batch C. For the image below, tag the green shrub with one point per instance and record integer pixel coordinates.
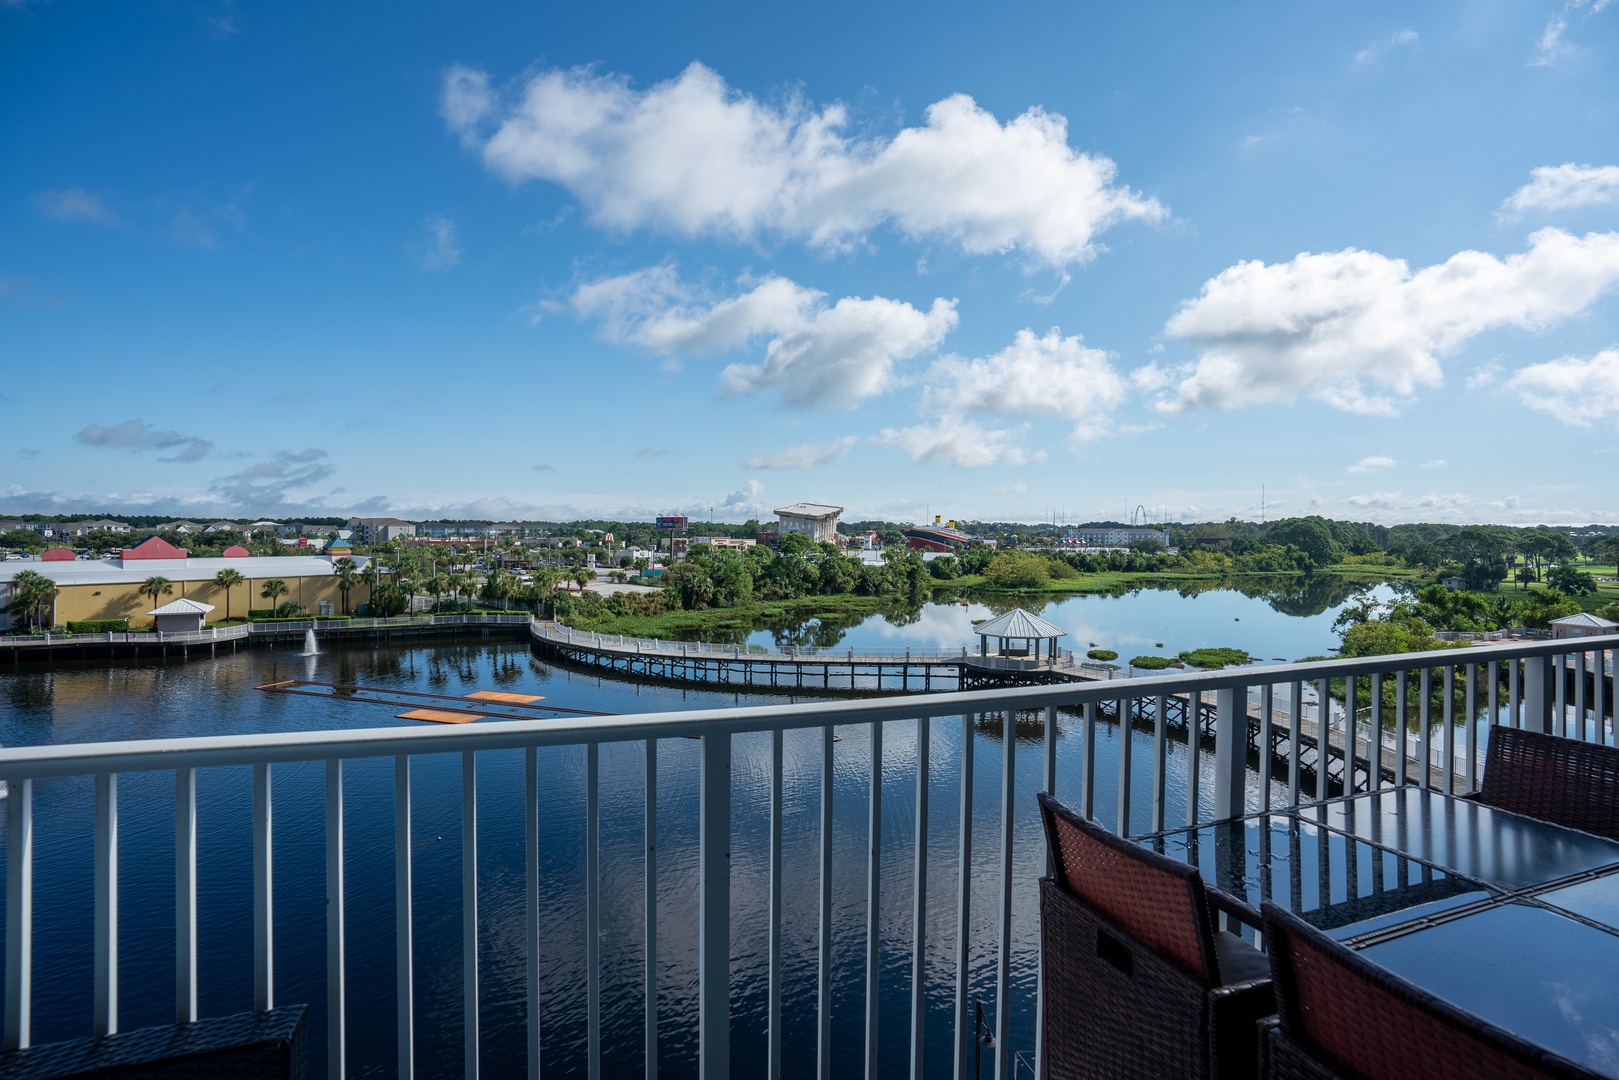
(96, 626)
(1105, 655)
(1151, 663)
(1018, 570)
(1213, 659)
(302, 618)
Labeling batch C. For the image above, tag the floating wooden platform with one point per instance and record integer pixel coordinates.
(504, 698)
(435, 708)
(440, 716)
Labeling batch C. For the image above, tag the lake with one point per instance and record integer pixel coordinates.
(1270, 618)
(212, 697)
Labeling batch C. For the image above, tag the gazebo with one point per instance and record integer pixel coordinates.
(1019, 625)
(180, 616)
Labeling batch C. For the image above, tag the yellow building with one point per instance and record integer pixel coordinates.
(110, 588)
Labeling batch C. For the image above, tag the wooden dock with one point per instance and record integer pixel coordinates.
(810, 670)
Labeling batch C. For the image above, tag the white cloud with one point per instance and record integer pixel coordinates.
(442, 247)
(1436, 463)
(1397, 502)
(1034, 376)
(1367, 464)
(694, 156)
(137, 435)
(1361, 332)
(953, 440)
(1573, 390)
(1553, 43)
(816, 355)
(804, 455)
(75, 204)
(1376, 49)
(1563, 187)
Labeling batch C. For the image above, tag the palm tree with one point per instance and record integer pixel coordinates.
(455, 583)
(155, 587)
(348, 575)
(273, 590)
(30, 592)
(227, 580)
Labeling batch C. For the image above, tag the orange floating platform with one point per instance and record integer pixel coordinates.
(504, 698)
(439, 716)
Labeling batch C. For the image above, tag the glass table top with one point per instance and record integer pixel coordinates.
(1337, 884)
(1467, 838)
(1525, 968)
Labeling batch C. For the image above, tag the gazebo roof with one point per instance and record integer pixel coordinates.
(182, 606)
(1018, 623)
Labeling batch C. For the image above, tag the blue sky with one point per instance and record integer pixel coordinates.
(1001, 261)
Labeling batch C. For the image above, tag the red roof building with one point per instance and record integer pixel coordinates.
(154, 548)
(58, 555)
(235, 551)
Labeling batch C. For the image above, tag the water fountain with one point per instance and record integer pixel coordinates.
(309, 644)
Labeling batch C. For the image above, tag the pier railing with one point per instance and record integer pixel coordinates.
(1447, 700)
(255, 629)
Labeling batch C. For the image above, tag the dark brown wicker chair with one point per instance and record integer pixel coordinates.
(1138, 983)
(1341, 1017)
(1563, 781)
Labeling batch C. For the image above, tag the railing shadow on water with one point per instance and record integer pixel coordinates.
(730, 890)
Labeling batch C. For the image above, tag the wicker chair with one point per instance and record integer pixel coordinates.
(1138, 983)
(1563, 781)
(1341, 1017)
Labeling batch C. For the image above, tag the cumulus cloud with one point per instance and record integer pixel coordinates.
(137, 435)
(269, 483)
(75, 204)
(1563, 187)
(1367, 464)
(441, 247)
(1374, 50)
(1575, 391)
(816, 355)
(694, 156)
(1360, 331)
(804, 455)
(954, 440)
(1034, 376)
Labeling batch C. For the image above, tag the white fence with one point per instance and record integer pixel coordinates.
(1520, 684)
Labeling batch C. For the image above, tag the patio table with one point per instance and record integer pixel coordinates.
(1512, 919)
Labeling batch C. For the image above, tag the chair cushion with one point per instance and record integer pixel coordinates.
(1239, 961)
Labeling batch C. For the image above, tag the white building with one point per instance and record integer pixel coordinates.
(818, 522)
(180, 616)
(1111, 537)
(1583, 625)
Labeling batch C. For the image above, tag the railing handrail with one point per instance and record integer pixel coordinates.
(145, 755)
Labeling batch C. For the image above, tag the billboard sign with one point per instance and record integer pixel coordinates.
(671, 523)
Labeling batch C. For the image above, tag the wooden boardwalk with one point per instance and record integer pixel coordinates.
(915, 670)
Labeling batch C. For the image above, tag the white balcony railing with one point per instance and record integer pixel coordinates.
(1456, 692)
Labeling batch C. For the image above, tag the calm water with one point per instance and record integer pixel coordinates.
(214, 697)
(1278, 620)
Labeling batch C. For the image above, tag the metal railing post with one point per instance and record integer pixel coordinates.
(336, 1017)
(1231, 751)
(185, 896)
(714, 929)
(1539, 691)
(19, 913)
(106, 904)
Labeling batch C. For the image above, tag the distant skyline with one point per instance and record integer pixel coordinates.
(997, 264)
